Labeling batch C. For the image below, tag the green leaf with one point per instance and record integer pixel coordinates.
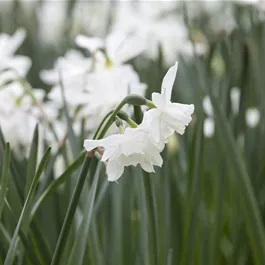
(14, 242)
(253, 220)
(193, 203)
(70, 130)
(56, 183)
(79, 247)
(70, 212)
(4, 178)
(32, 161)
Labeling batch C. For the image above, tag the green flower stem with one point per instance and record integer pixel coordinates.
(101, 124)
(132, 123)
(111, 119)
(70, 212)
(150, 104)
(132, 99)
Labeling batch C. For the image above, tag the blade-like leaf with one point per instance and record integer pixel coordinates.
(12, 248)
(4, 178)
(56, 183)
(70, 212)
(255, 228)
(32, 161)
(78, 250)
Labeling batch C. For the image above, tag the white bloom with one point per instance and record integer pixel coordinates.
(207, 106)
(119, 47)
(158, 26)
(167, 117)
(235, 99)
(131, 148)
(208, 127)
(73, 66)
(51, 16)
(209, 124)
(16, 119)
(252, 117)
(106, 89)
(8, 60)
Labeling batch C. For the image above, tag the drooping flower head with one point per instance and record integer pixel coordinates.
(167, 117)
(131, 148)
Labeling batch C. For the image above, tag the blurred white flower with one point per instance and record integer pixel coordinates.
(208, 127)
(16, 119)
(51, 16)
(252, 117)
(131, 148)
(158, 26)
(167, 117)
(105, 90)
(235, 99)
(119, 47)
(15, 65)
(73, 67)
(209, 124)
(207, 106)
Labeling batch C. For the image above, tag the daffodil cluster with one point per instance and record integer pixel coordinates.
(142, 145)
(95, 83)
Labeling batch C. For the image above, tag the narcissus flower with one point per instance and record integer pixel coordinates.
(14, 65)
(131, 148)
(167, 117)
(119, 47)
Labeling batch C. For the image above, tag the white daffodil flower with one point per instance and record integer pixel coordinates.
(167, 117)
(131, 148)
(73, 68)
(119, 47)
(8, 60)
(252, 117)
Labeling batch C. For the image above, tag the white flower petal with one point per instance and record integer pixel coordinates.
(159, 100)
(90, 43)
(208, 127)
(156, 158)
(152, 120)
(252, 117)
(114, 170)
(92, 144)
(178, 116)
(15, 41)
(129, 48)
(168, 82)
(207, 106)
(147, 166)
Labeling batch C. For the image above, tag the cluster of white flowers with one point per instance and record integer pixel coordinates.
(16, 104)
(94, 85)
(143, 144)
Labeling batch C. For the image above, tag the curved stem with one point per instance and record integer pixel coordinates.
(101, 124)
(132, 123)
(70, 212)
(112, 118)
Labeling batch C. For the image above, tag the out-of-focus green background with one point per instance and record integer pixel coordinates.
(205, 206)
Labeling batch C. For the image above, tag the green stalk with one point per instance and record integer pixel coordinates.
(135, 100)
(70, 212)
(131, 99)
(252, 214)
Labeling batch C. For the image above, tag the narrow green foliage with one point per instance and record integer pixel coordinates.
(32, 161)
(14, 242)
(79, 247)
(4, 178)
(252, 214)
(70, 212)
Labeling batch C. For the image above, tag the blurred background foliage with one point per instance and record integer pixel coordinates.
(205, 206)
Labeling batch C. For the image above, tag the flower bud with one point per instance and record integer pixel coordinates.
(135, 100)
